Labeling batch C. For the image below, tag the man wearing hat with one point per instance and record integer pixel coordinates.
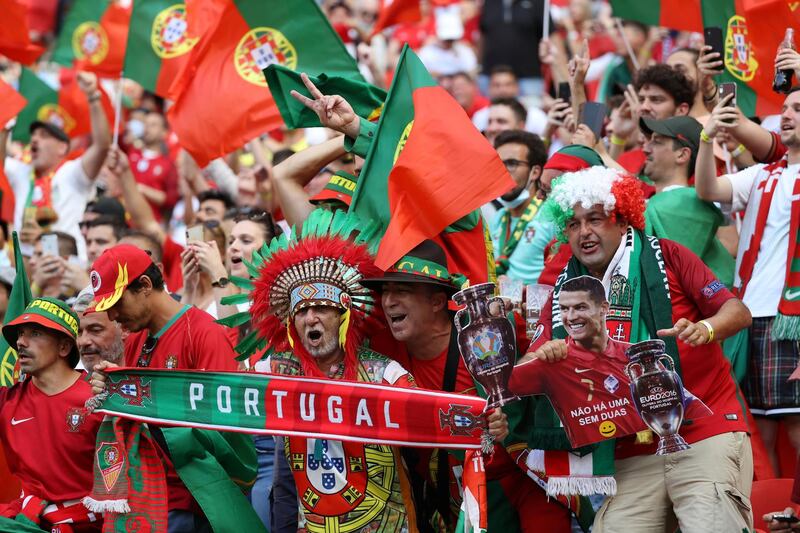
(50, 182)
(414, 297)
(48, 438)
(129, 287)
(675, 212)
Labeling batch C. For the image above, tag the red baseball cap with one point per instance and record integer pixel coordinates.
(113, 271)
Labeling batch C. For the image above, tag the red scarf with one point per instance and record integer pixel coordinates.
(787, 323)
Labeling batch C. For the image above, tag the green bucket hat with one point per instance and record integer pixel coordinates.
(50, 313)
(426, 263)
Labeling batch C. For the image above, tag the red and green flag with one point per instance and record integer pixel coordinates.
(93, 36)
(158, 44)
(18, 300)
(366, 99)
(11, 103)
(66, 107)
(222, 97)
(752, 30)
(427, 167)
(15, 42)
(393, 12)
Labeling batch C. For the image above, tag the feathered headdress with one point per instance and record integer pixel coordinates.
(320, 266)
(619, 193)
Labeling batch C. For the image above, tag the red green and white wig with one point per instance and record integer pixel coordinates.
(618, 192)
(321, 265)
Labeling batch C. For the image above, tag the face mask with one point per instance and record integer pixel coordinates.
(523, 197)
(136, 128)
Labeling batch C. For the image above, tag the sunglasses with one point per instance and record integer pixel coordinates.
(146, 354)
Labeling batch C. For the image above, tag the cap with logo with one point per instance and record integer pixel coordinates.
(684, 129)
(113, 271)
(50, 313)
(51, 128)
(340, 188)
(426, 263)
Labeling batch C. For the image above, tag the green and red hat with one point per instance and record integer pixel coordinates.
(340, 188)
(113, 271)
(574, 157)
(50, 313)
(426, 263)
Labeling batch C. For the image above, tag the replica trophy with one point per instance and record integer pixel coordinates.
(657, 393)
(486, 342)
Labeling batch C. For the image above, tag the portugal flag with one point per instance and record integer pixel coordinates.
(67, 107)
(15, 42)
(18, 300)
(427, 168)
(158, 44)
(222, 97)
(11, 103)
(93, 36)
(752, 31)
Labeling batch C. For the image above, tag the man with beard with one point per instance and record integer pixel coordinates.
(519, 236)
(99, 339)
(47, 436)
(129, 288)
(768, 270)
(654, 287)
(414, 297)
(312, 312)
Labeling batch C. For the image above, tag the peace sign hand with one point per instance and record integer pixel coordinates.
(334, 112)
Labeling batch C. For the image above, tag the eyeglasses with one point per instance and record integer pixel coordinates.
(512, 164)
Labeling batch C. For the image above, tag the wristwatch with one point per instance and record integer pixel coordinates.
(221, 282)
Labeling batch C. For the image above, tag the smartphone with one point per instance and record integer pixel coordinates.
(593, 114)
(194, 233)
(564, 91)
(785, 518)
(50, 244)
(713, 38)
(727, 88)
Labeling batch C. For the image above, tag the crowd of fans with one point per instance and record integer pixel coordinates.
(526, 92)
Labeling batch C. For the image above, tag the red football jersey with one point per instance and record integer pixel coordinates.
(48, 441)
(193, 342)
(589, 391)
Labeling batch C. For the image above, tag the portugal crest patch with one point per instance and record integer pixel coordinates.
(168, 35)
(75, 418)
(90, 42)
(260, 48)
(110, 462)
(402, 142)
(459, 420)
(739, 58)
(131, 389)
(57, 115)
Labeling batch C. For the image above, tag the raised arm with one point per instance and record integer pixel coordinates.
(94, 157)
(141, 214)
(291, 175)
(708, 186)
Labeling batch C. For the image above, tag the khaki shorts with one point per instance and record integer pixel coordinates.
(705, 488)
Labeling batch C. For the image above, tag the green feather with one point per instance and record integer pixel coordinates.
(235, 320)
(236, 299)
(247, 346)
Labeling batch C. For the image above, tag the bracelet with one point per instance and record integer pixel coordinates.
(704, 137)
(739, 151)
(617, 140)
(710, 329)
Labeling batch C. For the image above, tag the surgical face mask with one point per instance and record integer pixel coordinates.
(523, 197)
(136, 128)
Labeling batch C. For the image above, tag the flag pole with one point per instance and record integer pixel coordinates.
(627, 44)
(118, 108)
(546, 20)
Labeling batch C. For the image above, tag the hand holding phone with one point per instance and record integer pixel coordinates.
(727, 89)
(50, 244)
(713, 38)
(564, 92)
(194, 233)
(593, 114)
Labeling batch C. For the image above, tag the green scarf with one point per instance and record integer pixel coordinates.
(509, 239)
(635, 315)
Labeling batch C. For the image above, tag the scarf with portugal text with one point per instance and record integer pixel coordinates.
(126, 465)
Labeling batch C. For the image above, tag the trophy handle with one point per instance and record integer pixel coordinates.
(499, 300)
(459, 314)
(665, 358)
(630, 373)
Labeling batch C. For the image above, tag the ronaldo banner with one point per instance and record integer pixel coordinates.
(296, 406)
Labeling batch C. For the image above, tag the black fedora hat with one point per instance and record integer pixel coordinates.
(426, 263)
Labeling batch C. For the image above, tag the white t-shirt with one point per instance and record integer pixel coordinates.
(535, 123)
(769, 273)
(70, 192)
(448, 61)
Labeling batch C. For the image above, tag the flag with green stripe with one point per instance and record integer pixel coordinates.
(18, 300)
